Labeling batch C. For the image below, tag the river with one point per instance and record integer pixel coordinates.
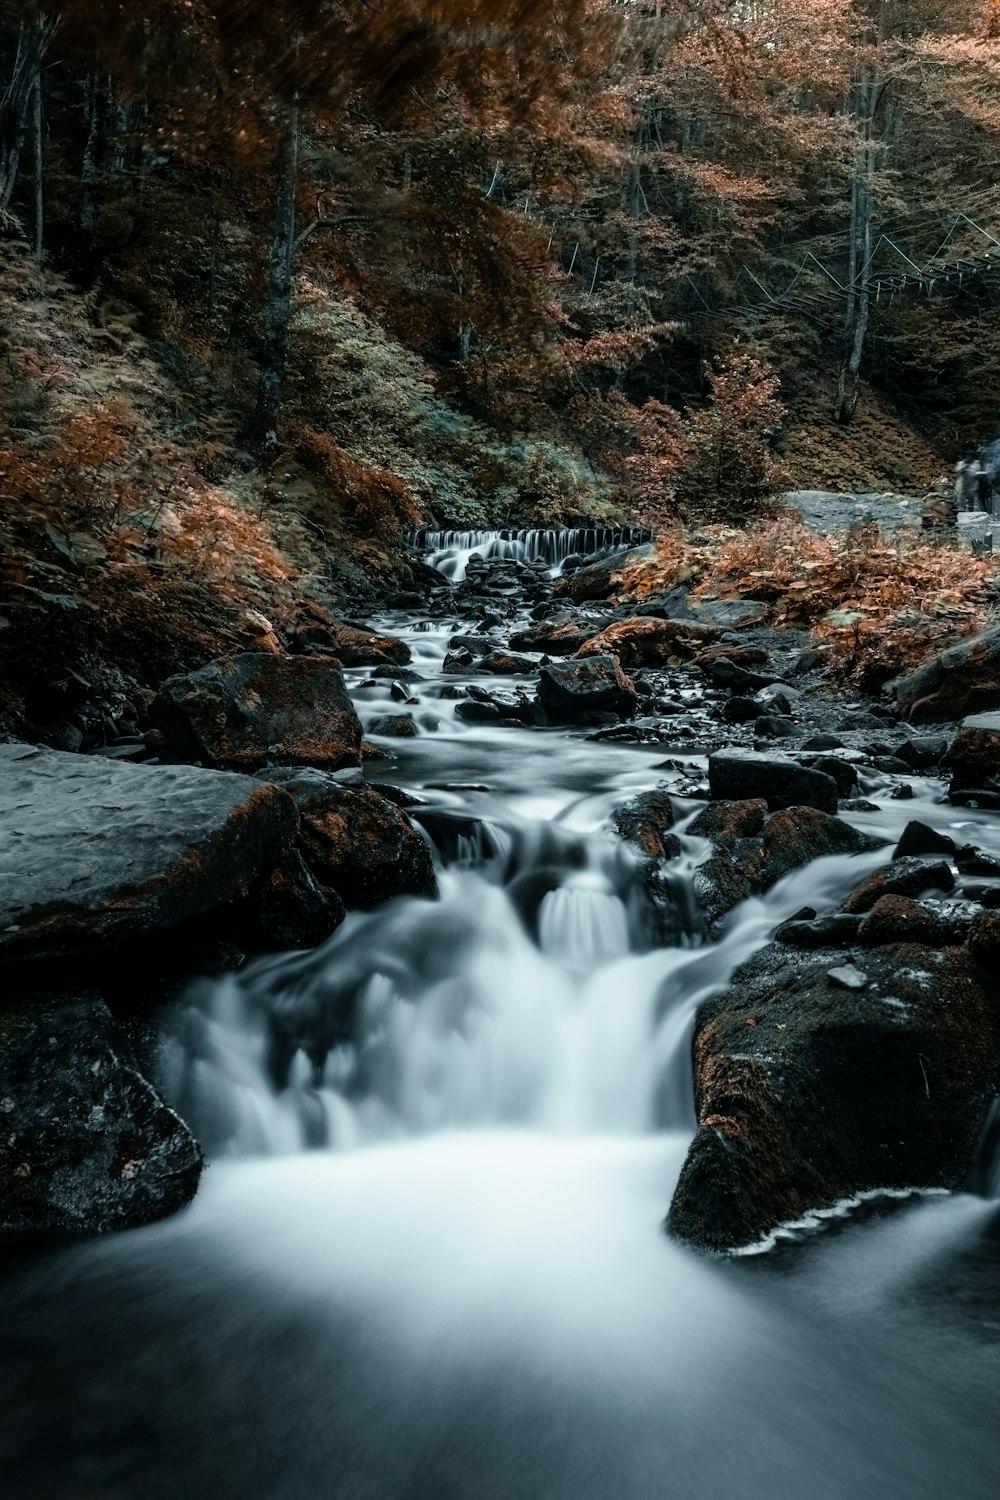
(427, 1263)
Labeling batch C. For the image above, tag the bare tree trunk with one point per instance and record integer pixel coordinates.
(89, 169)
(36, 125)
(14, 110)
(858, 309)
(278, 310)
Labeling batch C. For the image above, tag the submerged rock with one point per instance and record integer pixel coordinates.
(241, 711)
(573, 691)
(809, 1093)
(86, 1142)
(93, 852)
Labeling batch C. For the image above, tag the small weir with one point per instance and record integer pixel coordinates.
(450, 551)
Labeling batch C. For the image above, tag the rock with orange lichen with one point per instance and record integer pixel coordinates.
(645, 641)
(314, 628)
(244, 710)
(95, 852)
(356, 841)
(824, 1077)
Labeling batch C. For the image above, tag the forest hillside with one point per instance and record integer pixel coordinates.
(510, 262)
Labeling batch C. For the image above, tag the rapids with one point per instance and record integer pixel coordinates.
(426, 1262)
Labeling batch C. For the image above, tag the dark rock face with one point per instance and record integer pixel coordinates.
(86, 1144)
(243, 710)
(563, 638)
(753, 851)
(358, 842)
(574, 690)
(394, 726)
(641, 641)
(918, 838)
(974, 756)
(94, 853)
(504, 664)
(292, 910)
(963, 680)
(810, 1089)
(645, 821)
(313, 627)
(740, 774)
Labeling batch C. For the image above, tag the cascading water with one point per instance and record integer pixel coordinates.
(426, 1262)
(450, 551)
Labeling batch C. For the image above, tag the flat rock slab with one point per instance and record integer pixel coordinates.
(93, 852)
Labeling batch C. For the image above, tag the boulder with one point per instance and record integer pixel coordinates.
(810, 1091)
(87, 1144)
(394, 726)
(244, 710)
(736, 775)
(358, 842)
(93, 852)
(963, 680)
(563, 638)
(505, 664)
(641, 641)
(645, 821)
(292, 910)
(752, 850)
(909, 876)
(573, 691)
(919, 838)
(973, 757)
(313, 627)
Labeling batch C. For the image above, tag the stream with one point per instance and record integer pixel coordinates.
(426, 1261)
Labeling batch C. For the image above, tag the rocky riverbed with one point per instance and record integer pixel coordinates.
(257, 808)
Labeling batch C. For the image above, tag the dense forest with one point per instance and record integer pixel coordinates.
(505, 261)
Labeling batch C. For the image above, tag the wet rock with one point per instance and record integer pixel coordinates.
(842, 771)
(505, 664)
(832, 930)
(729, 674)
(973, 757)
(94, 853)
(963, 680)
(918, 838)
(573, 690)
(911, 876)
(899, 919)
(671, 605)
(752, 851)
(848, 977)
(773, 727)
(739, 710)
(598, 580)
(476, 645)
(394, 726)
(859, 804)
(363, 846)
(645, 821)
(644, 642)
(737, 775)
(244, 710)
(312, 625)
(291, 908)
(86, 1143)
(923, 751)
(563, 638)
(972, 861)
(734, 614)
(809, 1093)
(823, 742)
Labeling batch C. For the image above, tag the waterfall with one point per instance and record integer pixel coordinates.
(450, 551)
